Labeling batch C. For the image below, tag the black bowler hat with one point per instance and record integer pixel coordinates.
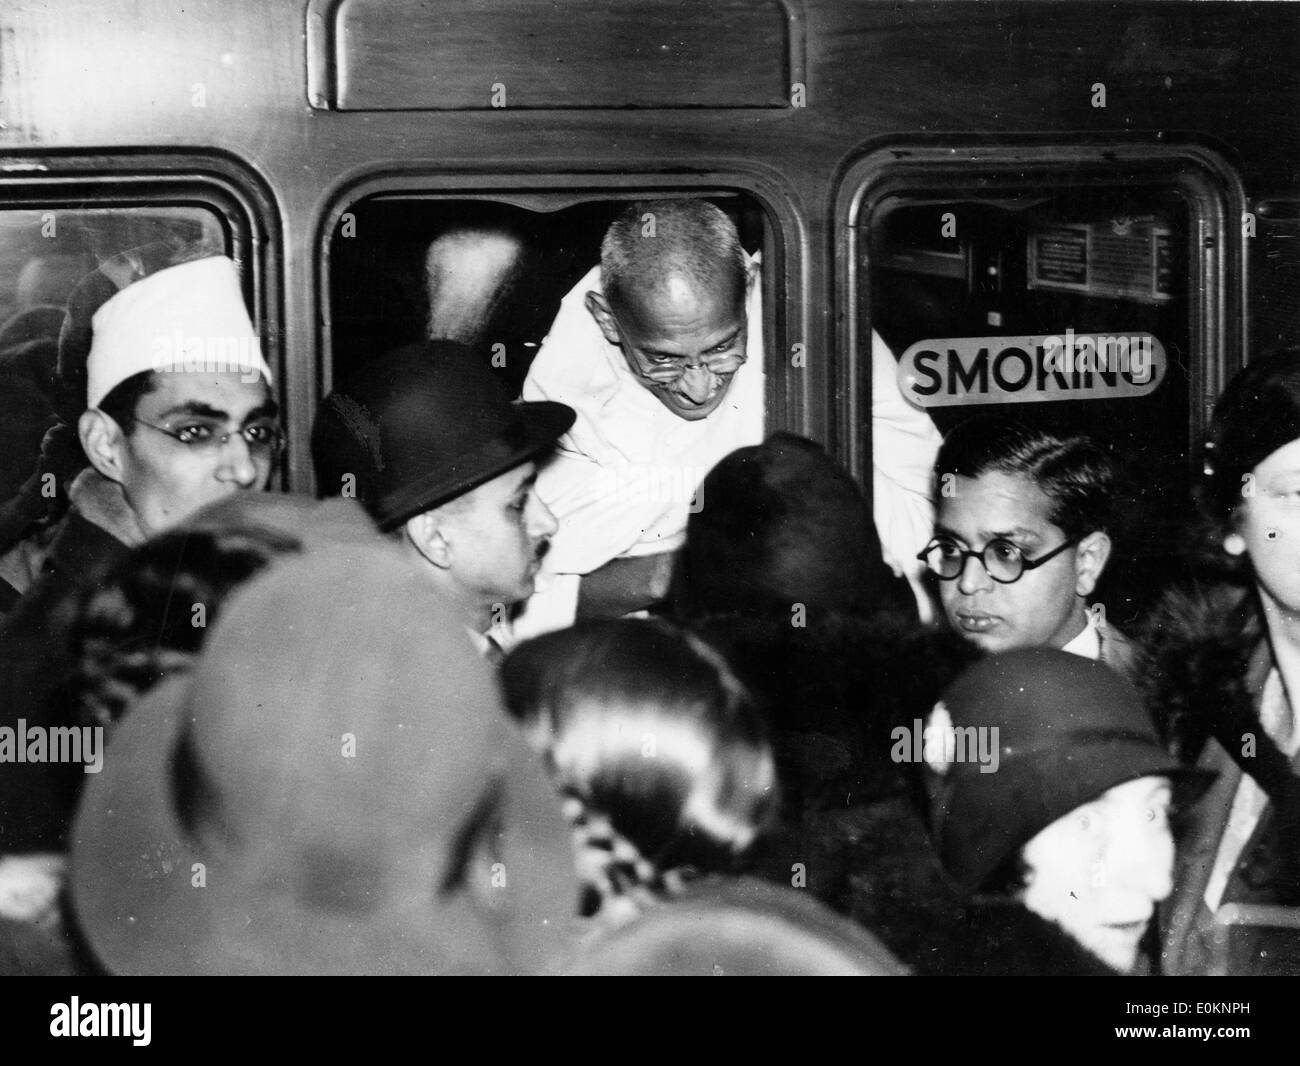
(422, 425)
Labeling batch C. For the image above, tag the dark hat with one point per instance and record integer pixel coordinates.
(334, 788)
(423, 425)
(1258, 413)
(1069, 729)
(738, 927)
(780, 523)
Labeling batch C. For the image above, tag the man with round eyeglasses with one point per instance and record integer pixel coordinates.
(1002, 559)
(1021, 538)
(659, 349)
(656, 352)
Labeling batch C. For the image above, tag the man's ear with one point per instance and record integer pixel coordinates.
(103, 441)
(1089, 561)
(424, 531)
(598, 307)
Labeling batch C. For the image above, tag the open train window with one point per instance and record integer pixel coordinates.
(1077, 290)
(490, 273)
(46, 249)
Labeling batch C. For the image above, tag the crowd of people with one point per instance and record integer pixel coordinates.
(600, 680)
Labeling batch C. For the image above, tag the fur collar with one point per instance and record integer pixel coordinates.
(101, 501)
(1195, 664)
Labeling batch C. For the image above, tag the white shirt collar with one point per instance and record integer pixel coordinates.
(1087, 643)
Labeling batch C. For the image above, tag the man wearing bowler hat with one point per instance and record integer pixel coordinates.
(427, 439)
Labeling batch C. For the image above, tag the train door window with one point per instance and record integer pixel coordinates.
(46, 249)
(489, 273)
(1077, 296)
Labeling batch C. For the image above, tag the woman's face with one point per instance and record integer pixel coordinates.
(1100, 871)
(1268, 521)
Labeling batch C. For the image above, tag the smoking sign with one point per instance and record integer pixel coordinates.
(956, 371)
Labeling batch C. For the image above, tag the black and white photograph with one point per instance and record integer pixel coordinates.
(573, 488)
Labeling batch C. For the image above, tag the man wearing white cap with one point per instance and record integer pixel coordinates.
(181, 345)
(178, 414)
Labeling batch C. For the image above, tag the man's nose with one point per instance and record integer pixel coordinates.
(237, 463)
(974, 576)
(696, 383)
(541, 520)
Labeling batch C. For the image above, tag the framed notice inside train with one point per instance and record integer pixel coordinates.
(1127, 259)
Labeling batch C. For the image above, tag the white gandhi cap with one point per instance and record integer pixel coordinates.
(187, 318)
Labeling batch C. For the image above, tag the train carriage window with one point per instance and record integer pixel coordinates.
(1066, 300)
(484, 272)
(45, 251)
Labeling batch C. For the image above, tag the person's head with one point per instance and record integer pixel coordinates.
(674, 280)
(485, 547)
(1071, 819)
(781, 526)
(179, 409)
(337, 773)
(645, 728)
(1033, 503)
(427, 440)
(177, 442)
(1251, 494)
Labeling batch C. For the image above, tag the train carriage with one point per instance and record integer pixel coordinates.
(1085, 212)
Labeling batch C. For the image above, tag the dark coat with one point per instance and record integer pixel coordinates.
(37, 799)
(873, 862)
(1000, 938)
(851, 830)
(1205, 659)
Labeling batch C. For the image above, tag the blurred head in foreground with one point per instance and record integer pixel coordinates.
(332, 789)
(654, 746)
(1049, 786)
